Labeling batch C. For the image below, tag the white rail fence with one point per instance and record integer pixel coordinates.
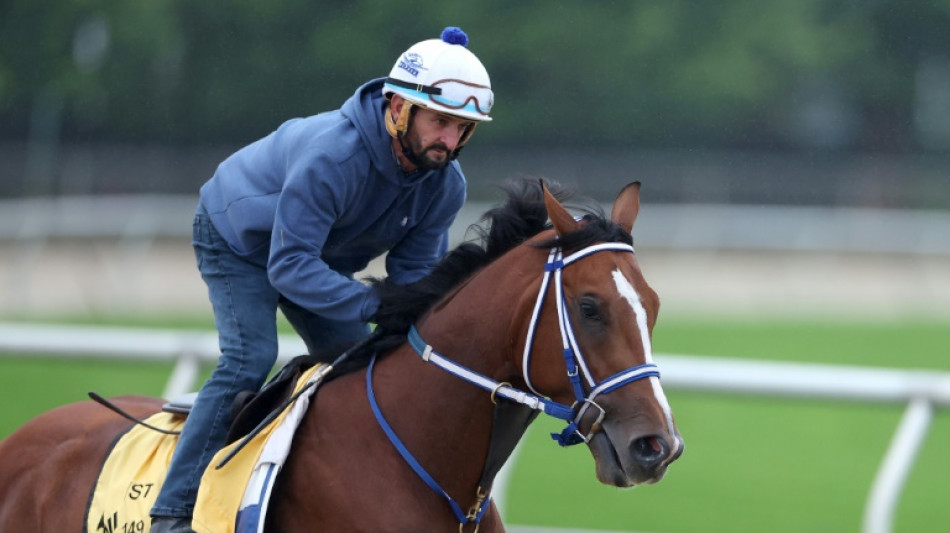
(922, 391)
(141, 219)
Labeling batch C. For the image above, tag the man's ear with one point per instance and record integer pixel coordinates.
(395, 104)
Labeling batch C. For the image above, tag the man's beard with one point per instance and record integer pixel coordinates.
(420, 155)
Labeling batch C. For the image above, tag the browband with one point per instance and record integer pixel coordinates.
(424, 89)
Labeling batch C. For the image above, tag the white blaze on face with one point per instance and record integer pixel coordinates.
(629, 294)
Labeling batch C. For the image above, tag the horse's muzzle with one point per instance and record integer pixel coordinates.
(650, 451)
(623, 461)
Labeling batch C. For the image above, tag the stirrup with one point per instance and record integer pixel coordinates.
(180, 405)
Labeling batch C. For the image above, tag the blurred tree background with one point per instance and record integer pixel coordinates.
(762, 92)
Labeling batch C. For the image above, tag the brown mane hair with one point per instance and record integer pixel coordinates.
(500, 229)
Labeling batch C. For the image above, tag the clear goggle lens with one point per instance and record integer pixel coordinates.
(458, 94)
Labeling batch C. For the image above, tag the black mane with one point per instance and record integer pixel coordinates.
(502, 228)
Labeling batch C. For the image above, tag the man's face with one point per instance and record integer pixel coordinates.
(432, 137)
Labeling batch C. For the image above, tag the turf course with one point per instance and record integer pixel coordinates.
(752, 464)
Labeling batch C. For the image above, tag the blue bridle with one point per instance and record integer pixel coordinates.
(576, 365)
(573, 357)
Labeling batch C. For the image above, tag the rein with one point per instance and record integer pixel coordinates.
(576, 364)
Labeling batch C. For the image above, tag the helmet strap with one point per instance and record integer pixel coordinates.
(400, 125)
(391, 125)
(464, 139)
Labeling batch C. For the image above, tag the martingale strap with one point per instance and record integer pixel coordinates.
(476, 515)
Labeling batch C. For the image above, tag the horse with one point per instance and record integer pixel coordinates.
(409, 432)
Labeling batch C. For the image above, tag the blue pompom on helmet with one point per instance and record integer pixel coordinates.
(454, 35)
(444, 76)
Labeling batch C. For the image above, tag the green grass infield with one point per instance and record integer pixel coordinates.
(752, 463)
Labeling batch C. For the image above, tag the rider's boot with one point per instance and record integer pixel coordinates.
(171, 524)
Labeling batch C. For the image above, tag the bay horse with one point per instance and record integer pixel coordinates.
(410, 432)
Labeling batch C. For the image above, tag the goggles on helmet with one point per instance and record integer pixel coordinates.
(452, 94)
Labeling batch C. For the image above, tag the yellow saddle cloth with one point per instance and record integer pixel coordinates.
(231, 499)
(131, 477)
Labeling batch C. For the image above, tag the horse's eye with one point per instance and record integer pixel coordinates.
(589, 310)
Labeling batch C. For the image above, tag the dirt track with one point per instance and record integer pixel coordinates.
(103, 279)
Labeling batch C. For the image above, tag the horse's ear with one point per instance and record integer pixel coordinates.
(563, 221)
(627, 206)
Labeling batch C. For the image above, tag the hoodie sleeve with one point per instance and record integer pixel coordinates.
(313, 197)
(423, 247)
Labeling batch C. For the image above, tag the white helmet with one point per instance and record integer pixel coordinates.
(442, 75)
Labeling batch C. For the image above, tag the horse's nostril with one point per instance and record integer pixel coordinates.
(650, 450)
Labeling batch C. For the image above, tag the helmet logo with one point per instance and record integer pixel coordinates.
(412, 63)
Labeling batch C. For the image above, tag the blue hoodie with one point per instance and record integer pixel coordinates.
(321, 196)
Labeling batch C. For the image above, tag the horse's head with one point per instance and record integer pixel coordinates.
(575, 329)
(589, 345)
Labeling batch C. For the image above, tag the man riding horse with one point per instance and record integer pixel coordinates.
(286, 222)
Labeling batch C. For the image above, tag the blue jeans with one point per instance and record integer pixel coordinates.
(245, 314)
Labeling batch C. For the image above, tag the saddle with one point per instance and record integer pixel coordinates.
(250, 408)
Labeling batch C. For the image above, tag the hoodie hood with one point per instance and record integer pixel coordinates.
(365, 109)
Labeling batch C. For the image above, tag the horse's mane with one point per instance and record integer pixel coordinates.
(500, 229)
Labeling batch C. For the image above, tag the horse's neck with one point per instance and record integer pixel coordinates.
(475, 329)
(482, 326)
(444, 422)
(453, 419)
